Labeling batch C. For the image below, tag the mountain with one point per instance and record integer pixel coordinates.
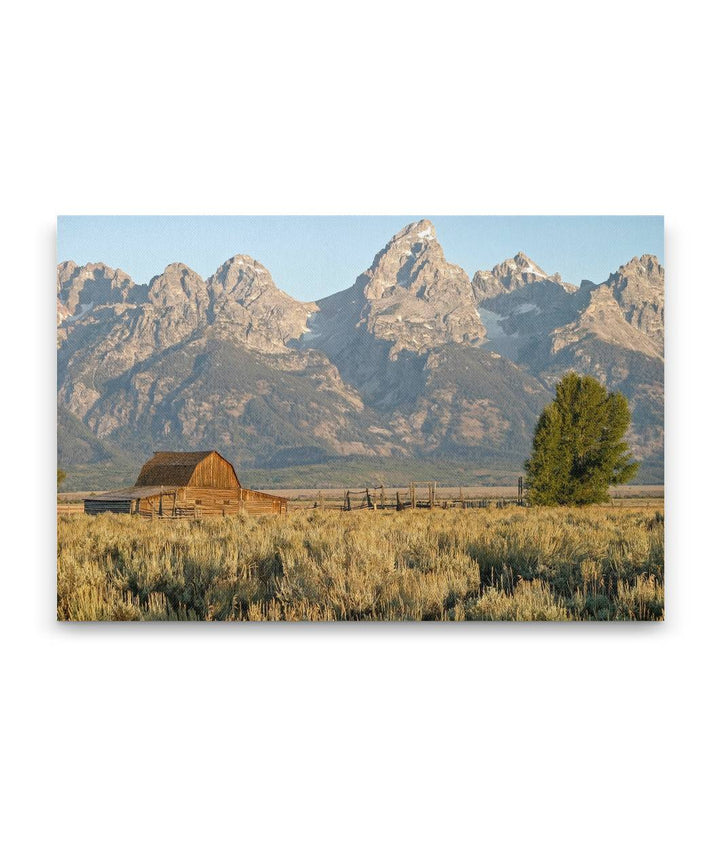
(248, 305)
(409, 302)
(410, 297)
(511, 275)
(601, 317)
(407, 335)
(79, 288)
(521, 306)
(77, 444)
(186, 362)
(612, 330)
(639, 288)
(413, 361)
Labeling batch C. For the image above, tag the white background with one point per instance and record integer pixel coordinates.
(345, 739)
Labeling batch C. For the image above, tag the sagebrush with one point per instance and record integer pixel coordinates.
(512, 564)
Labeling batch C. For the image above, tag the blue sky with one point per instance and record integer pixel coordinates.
(311, 257)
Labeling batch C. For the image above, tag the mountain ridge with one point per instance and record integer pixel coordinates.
(414, 360)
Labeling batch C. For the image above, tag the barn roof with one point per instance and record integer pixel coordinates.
(171, 468)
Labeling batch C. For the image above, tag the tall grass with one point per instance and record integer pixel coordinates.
(483, 564)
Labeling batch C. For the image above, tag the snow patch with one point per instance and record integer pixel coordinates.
(530, 268)
(524, 308)
(492, 322)
(84, 309)
(498, 341)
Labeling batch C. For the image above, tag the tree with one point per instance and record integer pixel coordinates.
(579, 448)
(61, 476)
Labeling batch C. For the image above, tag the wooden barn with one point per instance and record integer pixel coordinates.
(186, 484)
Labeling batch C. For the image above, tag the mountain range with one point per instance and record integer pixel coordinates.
(415, 361)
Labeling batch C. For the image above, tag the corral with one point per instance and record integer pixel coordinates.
(186, 484)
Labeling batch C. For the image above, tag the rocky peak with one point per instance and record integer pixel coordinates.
(247, 304)
(640, 280)
(511, 275)
(412, 296)
(646, 266)
(422, 232)
(395, 265)
(65, 272)
(243, 278)
(80, 288)
(180, 288)
(603, 319)
(639, 288)
(519, 265)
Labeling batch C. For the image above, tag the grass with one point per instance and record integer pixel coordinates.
(492, 564)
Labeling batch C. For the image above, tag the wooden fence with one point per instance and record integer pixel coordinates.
(415, 496)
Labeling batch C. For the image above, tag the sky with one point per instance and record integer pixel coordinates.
(311, 257)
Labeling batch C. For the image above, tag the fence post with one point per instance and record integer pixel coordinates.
(412, 494)
(347, 500)
(382, 496)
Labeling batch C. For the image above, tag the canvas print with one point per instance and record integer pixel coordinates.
(340, 418)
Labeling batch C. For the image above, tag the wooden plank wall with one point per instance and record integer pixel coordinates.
(195, 502)
(214, 472)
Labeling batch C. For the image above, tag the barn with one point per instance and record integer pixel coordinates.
(186, 484)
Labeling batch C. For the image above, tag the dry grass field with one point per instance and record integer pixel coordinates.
(507, 564)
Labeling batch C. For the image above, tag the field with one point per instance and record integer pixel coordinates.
(508, 564)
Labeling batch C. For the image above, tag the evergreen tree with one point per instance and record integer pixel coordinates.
(579, 448)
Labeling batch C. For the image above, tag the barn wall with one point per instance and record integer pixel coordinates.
(151, 505)
(214, 472)
(256, 502)
(208, 500)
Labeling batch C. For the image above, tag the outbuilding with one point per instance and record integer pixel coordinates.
(186, 484)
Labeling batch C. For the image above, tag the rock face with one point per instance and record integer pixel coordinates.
(639, 288)
(251, 308)
(521, 305)
(511, 275)
(81, 288)
(413, 360)
(186, 362)
(412, 297)
(408, 303)
(603, 318)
